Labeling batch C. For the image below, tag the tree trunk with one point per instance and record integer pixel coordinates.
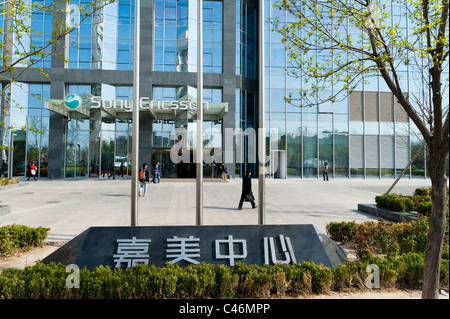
(433, 250)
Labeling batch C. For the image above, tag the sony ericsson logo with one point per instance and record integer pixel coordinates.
(73, 101)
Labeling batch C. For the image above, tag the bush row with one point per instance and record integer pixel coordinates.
(395, 202)
(8, 181)
(420, 202)
(212, 281)
(383, 237)
(13, 237)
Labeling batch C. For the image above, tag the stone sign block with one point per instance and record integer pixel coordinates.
(121, 247)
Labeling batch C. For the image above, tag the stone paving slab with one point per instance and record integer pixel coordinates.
(70, 206)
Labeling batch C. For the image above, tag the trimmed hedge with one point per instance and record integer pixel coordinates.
(420, 201)
(395, 202)
(13, 237)
(403, 243)
(212, 281)
(391, 239)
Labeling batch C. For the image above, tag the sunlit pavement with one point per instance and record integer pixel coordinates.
(70, 206)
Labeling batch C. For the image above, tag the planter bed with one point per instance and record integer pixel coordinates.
(390, 215)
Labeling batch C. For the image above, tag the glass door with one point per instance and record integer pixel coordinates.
(17, 162)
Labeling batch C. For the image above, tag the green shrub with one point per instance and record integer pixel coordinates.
(322, 277)
(212, 281)
(413, 274)
(444, 273)
(226, 282)
(13, 237)
(342, 231)
(352, 275)
(300, 280)
(424, 208)
(196, 281)
(395, 202)
(445, 253)
(383, 237)
(422, 191)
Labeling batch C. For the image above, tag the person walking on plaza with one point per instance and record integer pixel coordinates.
(156, 173)
(121, 168)
(247, 194)
(143, 180)
(224, 171)
(32, 171)
(113, 171)
(325, 171)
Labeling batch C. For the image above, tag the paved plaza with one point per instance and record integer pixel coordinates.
(70, 206)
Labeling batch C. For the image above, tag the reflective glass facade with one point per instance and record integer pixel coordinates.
(105, 39)
(246, 39)
(175, 46)
(26, 128)
(366, 135)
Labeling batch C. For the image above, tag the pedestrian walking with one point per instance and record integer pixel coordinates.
(113, 171)
(121, 168)
(224, 171)
(156, 173)
(143, 180)
(32, 171)
(325, 171)
(247, 194)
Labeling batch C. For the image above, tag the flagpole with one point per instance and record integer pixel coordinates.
(261, 133)
(199, 157)
(135, 127)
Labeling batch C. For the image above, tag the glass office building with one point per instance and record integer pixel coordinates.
(367, 135)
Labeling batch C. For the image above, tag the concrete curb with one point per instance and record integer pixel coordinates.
(387, 214)
(20, 184)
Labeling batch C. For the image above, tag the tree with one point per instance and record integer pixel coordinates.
(335, 45)
(23, 48)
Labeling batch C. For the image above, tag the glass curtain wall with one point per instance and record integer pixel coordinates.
(246, 117)
(26, 128)
(104, 40)
(246, 40)
(367, 134)
(93, 144)
(78, 137)
(164, 137)
(176, 36)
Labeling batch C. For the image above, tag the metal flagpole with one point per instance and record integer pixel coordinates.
(261, 133)
(199, 157)
(135, 136)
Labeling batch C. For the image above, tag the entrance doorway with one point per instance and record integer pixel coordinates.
(17, 160)
(169, 169)
(166, 167)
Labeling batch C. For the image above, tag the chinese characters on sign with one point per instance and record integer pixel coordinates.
(131, 251)
(134, 251)
(183, 249)
(231, 254)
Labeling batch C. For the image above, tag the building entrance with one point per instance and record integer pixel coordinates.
(98, 139)
(169, 169)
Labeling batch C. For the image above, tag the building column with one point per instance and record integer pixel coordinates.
(145, 87)
(57, 129)
(229, 77)
(57, 136)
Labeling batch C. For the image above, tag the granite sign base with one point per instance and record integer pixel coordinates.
(122, 247)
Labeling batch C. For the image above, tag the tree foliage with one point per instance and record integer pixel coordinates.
(337, 45)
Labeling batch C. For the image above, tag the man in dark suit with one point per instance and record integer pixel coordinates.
(247, 194)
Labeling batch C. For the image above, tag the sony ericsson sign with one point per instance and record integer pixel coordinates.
(74, 101)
